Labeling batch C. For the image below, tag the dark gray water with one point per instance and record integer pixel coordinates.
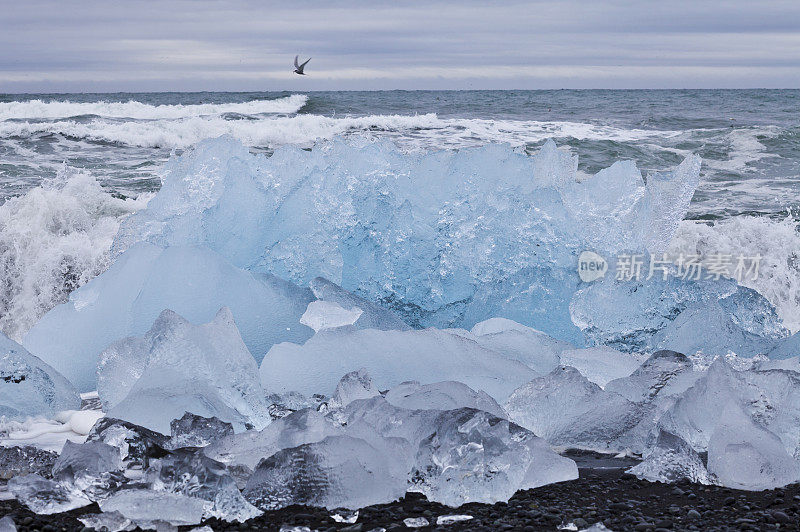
(749, 139)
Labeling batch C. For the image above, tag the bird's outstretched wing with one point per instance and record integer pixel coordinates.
(304, 64)
(295, 61)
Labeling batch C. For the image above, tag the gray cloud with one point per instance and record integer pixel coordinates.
(249, 45)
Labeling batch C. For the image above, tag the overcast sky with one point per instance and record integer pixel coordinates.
(192, 45)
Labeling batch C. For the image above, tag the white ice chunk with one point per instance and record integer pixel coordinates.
(664, 373)
(744, 455)
(372, 316)
(601, 364)
(189, 472)
(447, 395)
(450, 519)
(566, 409)
(144, 507)
(473, 456)
(30, 387)
(7, 524)
(194, 282)
(390, 357)
(179, 367)
(671, 460)
(516, 341)
(247, 448)
(338, 472)
(45, 496)
(327, 315)
(353, 386)
(197, 431)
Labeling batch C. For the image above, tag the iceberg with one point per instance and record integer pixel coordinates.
(178, 367)
(30, 387)
(192, 281)
(390, 357)
(444, 239)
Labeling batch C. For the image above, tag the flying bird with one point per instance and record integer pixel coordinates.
(298, 69)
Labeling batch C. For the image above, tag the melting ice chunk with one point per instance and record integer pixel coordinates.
(533, 348)
(194, 282)
(744, 455)
(565, 408)
(664, 373)
(447, 395)
(146, 508)
(671, 460)
(601, 364)
(391, 357)
(29, 387)
(189, 472)
(472, 456)
(179, 367)
(248, 448)
(354, 385)
(372, 316)
(322, 315)
(197, 431)
(45, 496)
(337, 472)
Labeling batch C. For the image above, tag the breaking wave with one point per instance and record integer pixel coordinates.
(777, 242)
(419, 131)
(38, 109)
(54, 239)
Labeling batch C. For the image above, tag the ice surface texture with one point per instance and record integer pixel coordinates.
(339, 471)
(443, 238)
(29, 387)
(194, 282)
(391, 357)
(178, 367)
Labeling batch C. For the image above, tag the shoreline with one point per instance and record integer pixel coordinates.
(609, 496)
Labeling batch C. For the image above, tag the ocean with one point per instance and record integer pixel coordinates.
(72, 166)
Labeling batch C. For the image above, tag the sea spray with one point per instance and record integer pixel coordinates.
(52, 240)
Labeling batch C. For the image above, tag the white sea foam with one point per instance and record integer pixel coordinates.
(52, 240)
(38, 109)
(418, 131)
(777, 242)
